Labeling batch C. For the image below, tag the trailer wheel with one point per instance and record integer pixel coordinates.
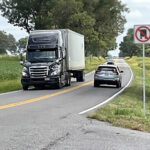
(81, 77)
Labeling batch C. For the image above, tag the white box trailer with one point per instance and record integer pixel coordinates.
(75, 50)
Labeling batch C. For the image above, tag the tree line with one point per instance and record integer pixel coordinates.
(100, 21)
(128, 48)
(8, 44)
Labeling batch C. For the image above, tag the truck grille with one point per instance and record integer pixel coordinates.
(38, 71)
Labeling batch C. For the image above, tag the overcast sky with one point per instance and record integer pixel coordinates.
(139, 14)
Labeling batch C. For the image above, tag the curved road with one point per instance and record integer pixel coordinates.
(49, 119)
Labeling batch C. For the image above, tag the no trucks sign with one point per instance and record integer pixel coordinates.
(142, 34)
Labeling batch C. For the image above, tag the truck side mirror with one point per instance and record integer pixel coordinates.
(21, 62)
(22, 57)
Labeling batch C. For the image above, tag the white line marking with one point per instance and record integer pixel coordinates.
(10, 92)
(109, 99)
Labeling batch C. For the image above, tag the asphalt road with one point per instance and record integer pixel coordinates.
(50, 119)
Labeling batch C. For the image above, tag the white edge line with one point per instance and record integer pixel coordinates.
(10, 92)
(109, 99)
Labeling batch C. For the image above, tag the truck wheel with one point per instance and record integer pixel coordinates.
(68, 81)
(81, 77)
(59, 85)
(25, 87)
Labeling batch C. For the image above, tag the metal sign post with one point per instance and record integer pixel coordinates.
(144, 109)
(142, 36)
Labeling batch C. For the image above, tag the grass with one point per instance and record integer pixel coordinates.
(91, 64)
(10, 71)
(126, 110)
(10, 85)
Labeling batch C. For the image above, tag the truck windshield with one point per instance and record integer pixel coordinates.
(41, 55)
(51, 39)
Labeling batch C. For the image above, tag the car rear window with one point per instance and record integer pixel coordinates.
(111, 70)
(106, 68)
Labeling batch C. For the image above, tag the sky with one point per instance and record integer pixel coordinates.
(138, 15)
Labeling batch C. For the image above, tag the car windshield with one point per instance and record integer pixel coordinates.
(41, 55)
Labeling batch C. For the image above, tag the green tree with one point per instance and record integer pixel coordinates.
(99, 20)
(11, 47)
(7, 43)
(3, 42)
(29, 14)
(21, 44)
(127, 47)
(147, 50)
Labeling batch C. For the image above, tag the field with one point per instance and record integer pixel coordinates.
(127, 109)
(10, 71)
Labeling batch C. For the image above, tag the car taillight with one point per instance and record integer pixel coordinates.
(97, 71)
(115, 71)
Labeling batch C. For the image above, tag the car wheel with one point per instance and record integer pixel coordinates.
(96, 84)
(118, 85)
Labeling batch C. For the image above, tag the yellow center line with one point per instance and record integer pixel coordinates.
(44, 97)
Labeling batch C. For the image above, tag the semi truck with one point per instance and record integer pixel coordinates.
(52, 58)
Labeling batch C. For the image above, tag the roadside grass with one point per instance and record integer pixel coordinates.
(10, 71)
(92, 64)
(126, 110)
(10, 85)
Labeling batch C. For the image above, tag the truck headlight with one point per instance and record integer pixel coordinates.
(24, 69)
(56, 70)
(25, 72)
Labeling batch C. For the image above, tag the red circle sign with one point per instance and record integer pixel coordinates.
(142, 33)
